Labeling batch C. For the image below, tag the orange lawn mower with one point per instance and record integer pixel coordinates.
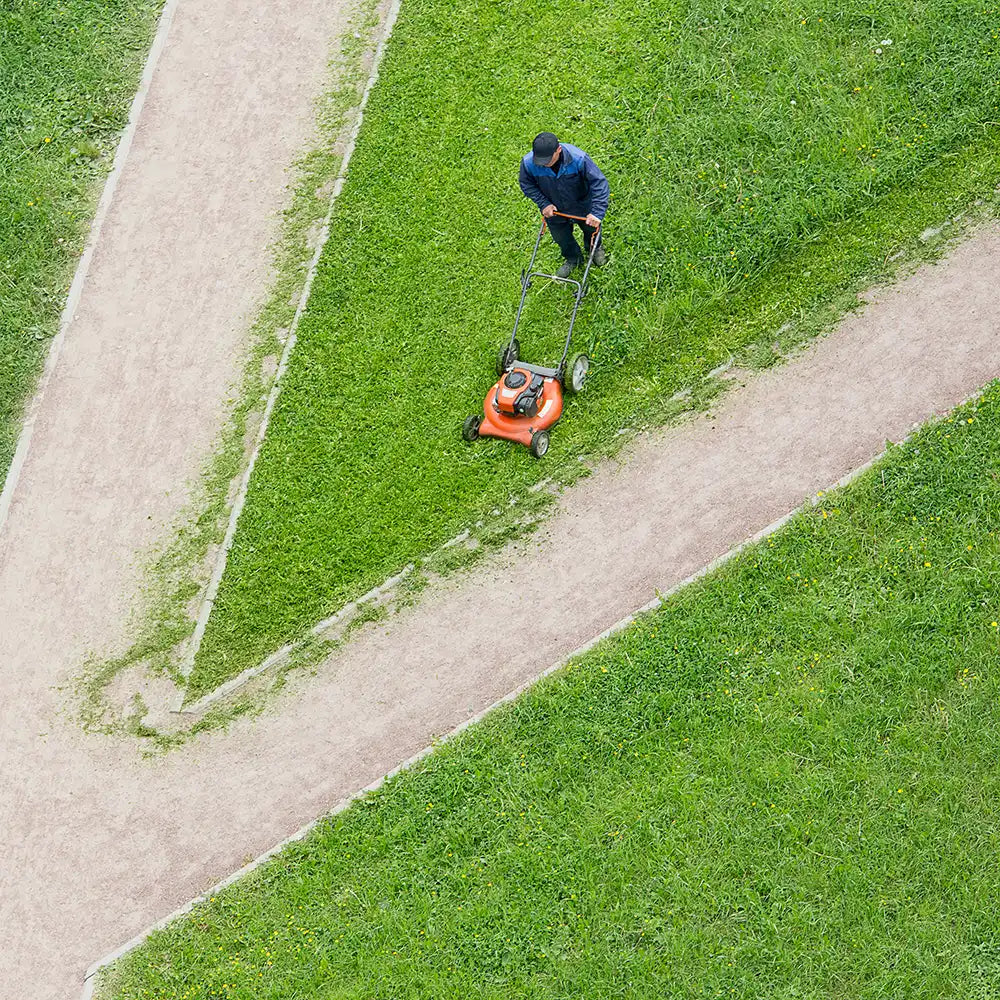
(527, 400)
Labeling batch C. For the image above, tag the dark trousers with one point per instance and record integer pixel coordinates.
(562, 233)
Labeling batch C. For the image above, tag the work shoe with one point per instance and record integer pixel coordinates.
(567, 267)
(600, 257)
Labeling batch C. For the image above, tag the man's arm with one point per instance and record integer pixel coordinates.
(531, 189)
(600, 192)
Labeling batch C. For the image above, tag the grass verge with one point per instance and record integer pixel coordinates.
(781, 783)
(69, 71)
(763, 161)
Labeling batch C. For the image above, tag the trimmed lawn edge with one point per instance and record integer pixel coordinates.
(191, 652)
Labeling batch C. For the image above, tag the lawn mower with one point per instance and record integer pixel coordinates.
(527, 400)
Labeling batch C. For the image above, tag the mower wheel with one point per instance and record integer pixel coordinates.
(575, 376)
(539, 443)
(470, 429)
(507, 356)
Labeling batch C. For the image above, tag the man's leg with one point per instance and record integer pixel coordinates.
(588, 238)
(562, 233)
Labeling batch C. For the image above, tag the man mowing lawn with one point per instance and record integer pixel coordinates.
(559, 177)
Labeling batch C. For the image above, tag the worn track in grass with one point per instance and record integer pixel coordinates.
(99, 843)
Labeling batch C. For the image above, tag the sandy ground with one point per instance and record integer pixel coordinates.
(133, 407)
(97, 843)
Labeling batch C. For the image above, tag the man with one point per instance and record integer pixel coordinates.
(558, 177)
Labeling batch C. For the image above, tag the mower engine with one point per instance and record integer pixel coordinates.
(519, 393)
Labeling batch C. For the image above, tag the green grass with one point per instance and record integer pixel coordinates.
(782, 784)
(68, 73)
(759, 166)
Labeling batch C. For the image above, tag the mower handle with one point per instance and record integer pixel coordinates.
(578, 218)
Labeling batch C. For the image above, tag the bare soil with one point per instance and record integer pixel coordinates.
(96, 843)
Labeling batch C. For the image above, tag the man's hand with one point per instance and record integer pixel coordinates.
(593, 221)
(549, 211)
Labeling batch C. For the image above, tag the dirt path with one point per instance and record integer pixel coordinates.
(133, 407)
(98, 844)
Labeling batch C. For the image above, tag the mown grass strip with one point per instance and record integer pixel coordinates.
(68, 72)
(781, 783)
(762, 159)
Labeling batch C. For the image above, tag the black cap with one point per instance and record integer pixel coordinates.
(544, 148)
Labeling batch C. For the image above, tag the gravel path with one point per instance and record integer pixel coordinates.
(96, 843)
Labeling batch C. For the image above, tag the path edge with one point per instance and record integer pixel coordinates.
(222, 559)
(90, 978)
(83, 266)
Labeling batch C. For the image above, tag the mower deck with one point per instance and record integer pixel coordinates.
(514, 427)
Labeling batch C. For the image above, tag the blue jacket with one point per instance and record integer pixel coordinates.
(578, 188)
